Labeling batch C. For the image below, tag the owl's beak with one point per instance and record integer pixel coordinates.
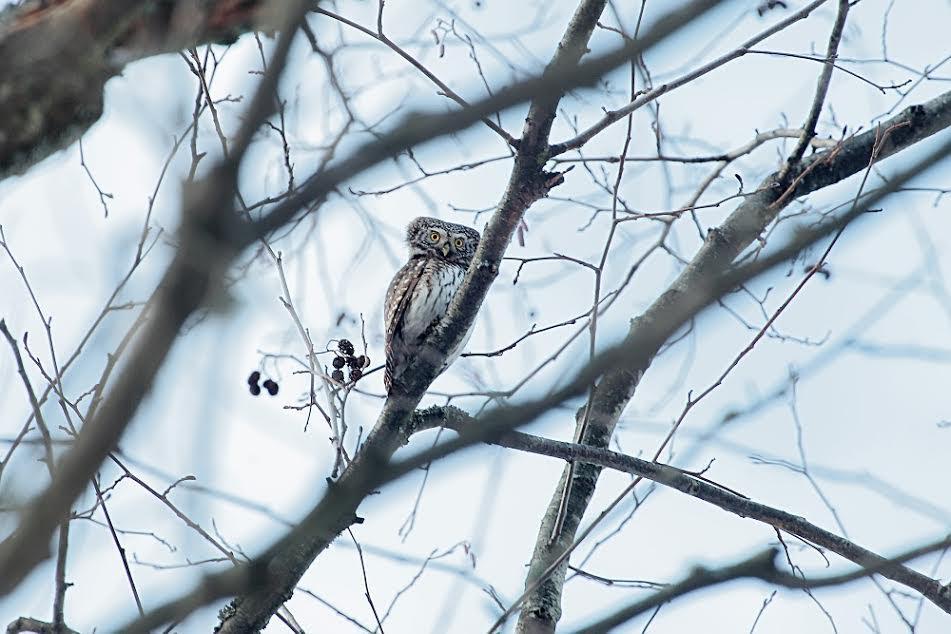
(445, 250)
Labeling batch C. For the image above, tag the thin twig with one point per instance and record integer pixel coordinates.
(832, 51)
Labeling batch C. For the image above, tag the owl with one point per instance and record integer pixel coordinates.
(420, 293)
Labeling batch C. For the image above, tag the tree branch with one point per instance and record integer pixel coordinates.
(545, 580)
(26, 624)
(825, 77)
(56, 57)
(668, 476)
(393, 46)
(760, 566)
(647, 96)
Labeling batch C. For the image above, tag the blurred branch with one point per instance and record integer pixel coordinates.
(56, 57)
(207, 248)
(760, 566)
(381, 37)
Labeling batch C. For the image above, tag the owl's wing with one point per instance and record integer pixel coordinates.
(398, 297)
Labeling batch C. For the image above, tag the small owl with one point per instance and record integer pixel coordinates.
(420, 293)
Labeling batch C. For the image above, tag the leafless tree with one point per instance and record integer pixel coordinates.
(692, 215)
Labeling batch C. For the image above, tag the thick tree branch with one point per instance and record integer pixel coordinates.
(544, 582)
(26, 624)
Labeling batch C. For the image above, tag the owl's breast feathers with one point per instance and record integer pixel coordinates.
(416, 301)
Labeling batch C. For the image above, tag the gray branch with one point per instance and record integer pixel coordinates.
(760, 566)
(542, 607)
(668, 476)
(56, 57)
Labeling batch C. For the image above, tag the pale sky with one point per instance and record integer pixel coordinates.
(871, 399)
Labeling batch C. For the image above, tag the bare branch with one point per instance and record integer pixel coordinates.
(205, 252)
(710, 492)
(381, 37)
(55, 59)
(711, 266)
(760, 566)
(649, 95)
(809, 127)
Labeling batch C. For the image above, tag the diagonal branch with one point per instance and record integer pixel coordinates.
(544, 582)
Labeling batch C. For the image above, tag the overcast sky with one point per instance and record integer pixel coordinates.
(871, 342)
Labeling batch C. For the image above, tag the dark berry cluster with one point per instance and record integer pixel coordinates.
(269, 385)
(345, 357)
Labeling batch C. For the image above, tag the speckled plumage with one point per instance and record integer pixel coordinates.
(420, 293)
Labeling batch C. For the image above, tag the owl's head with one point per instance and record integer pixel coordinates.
(434, 238)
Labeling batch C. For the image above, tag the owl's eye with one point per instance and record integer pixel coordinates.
(459, 242)
(434, 236)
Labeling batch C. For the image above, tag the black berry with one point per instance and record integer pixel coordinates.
(352, 362)
(337, 375)
(355, 374)
(363, 361)
(345, 347)
(271, 387)
(338, 362)
(253, 379)
(255, 389)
